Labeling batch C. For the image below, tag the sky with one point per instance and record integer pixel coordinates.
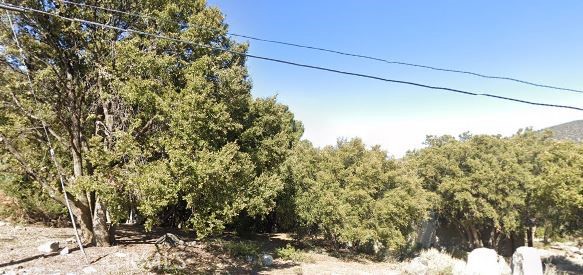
(537, 41)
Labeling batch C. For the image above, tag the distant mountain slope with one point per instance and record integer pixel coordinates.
(571, 130)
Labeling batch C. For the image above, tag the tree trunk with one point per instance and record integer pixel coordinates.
(547, 234)
(529, 236)
(83, 217)
(103, 233)
(476, 241)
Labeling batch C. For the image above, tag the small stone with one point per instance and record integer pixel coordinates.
(120, 254)
(3, 223)
(266, 260)
(49, 247)
(89, 270)
(64, 251)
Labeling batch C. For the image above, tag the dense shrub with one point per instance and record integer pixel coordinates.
(492, 187)
(359, 197)
(290, 253)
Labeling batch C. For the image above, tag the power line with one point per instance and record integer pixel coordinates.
(26, 9)
(333, 51)
(51, 150)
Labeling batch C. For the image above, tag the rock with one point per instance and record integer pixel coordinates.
(3, 223)
(266, 260)
(49, 247)
(89, 270)
(169, 239)
(526, 261)
(120, 254)
(503, 266)
(482, 261)
(64, 251)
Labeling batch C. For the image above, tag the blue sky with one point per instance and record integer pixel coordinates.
(538, 41)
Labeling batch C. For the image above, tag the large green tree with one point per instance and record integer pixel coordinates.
(356, 196)
(138, 121)
(554, 182)
(492, 187)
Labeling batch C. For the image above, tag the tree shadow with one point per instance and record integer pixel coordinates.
(32, 258)
(564, 264)
(213, 256)
(137, 234)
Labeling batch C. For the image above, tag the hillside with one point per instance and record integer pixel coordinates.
(571, 130)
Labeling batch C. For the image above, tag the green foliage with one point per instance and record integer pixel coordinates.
(360, 197)
(142, 122)
(290, 253)
(27, 203)
(243, 249)
(491, 186)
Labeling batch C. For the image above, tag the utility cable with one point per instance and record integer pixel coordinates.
(26, 9)
(331, 50)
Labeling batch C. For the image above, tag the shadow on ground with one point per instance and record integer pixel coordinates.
(203, 257)
(565, 265)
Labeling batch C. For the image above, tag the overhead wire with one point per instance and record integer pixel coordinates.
(94, 7)
(26, 9)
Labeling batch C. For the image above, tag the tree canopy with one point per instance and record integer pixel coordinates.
(359, 196)
(492, 187)
(137, 121)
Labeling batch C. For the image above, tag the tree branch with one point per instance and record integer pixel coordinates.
(53, 192)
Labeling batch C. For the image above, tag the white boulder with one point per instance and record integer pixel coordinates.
(526, 261)
(482, 261)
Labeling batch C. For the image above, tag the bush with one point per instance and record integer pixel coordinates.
(242, 249)
(290, 253)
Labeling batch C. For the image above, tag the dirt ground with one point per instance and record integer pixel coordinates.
(137, 253)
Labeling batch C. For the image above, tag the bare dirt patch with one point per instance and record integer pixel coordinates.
(137, 253)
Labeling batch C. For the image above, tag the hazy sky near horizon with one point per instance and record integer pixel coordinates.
(537, 41)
